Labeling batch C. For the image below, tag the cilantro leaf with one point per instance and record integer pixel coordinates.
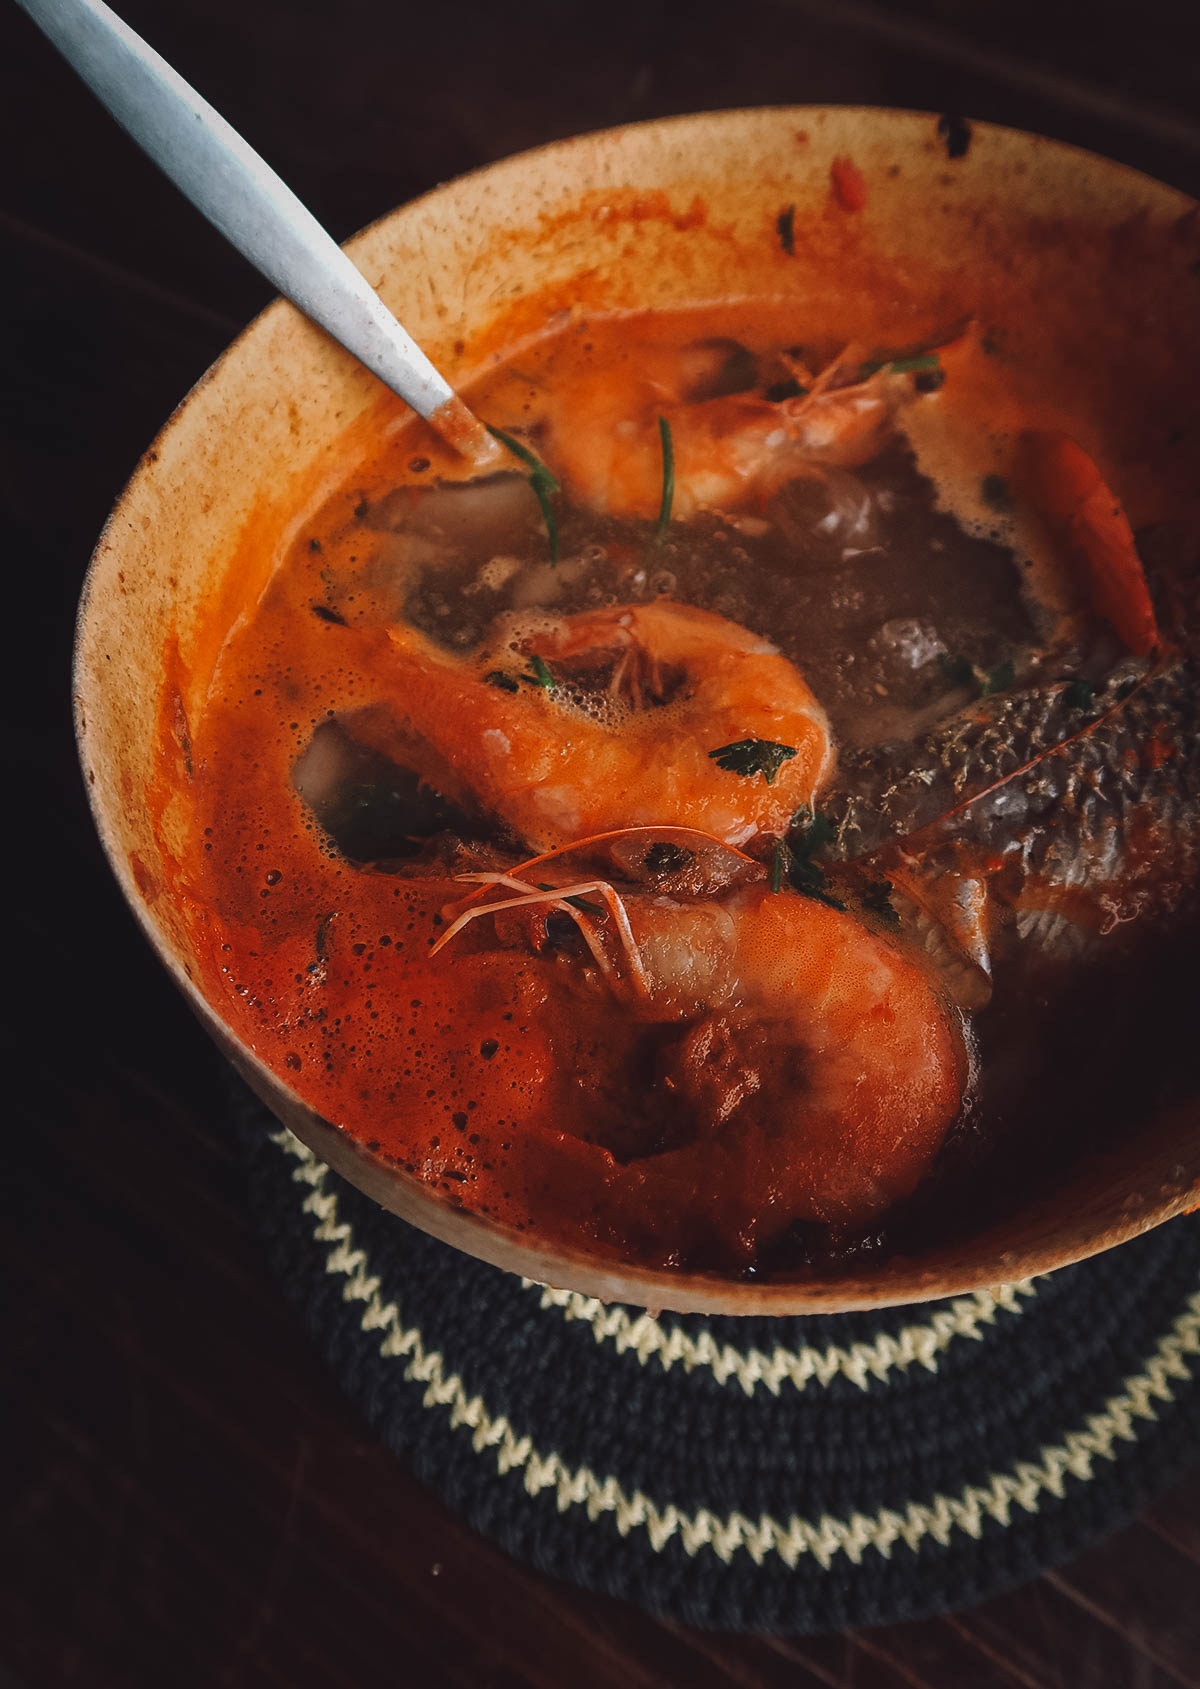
(540, 674)
(808, 834)
(749, 757)
(877, 897)
(809, 879)
(811, 830)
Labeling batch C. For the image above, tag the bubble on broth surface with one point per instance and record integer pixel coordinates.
(505, 1069)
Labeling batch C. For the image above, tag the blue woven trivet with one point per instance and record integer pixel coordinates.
(793, 1475)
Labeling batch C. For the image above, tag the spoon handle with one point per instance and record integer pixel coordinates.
(243, 197)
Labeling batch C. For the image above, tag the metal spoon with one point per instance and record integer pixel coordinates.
(243, 197)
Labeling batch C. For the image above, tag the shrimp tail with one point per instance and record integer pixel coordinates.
(1089, 528)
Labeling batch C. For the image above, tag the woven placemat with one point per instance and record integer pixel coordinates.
(792, 1475)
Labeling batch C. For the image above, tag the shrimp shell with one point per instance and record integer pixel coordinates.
(554, 763)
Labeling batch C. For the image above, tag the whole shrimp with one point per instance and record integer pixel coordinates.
(554, 759)
(841, 1061)
(810, 1068)
(729, 451)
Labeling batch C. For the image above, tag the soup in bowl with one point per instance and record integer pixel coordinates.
(737, 849)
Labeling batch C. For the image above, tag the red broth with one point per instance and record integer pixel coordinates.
(820, 1062)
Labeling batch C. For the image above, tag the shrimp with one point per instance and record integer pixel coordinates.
(808, 1071)
(1089, 527)
(553, 758)
(729, 451)
(841, 1063)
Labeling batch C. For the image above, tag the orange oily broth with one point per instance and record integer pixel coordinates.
(463, 1068)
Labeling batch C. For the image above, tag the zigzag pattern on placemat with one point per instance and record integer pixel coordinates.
(1170, 1362)
(919, 1344)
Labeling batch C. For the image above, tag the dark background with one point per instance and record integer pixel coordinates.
(185, 1497)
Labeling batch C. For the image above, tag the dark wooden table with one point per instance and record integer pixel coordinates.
(186, 1497)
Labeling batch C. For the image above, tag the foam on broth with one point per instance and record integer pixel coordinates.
(496, 1071)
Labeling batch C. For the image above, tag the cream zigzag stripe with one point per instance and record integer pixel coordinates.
(1023, 1485)
(964, 1317)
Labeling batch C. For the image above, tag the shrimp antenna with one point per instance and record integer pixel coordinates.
(677, 834)
(672, 834)
(557, 897)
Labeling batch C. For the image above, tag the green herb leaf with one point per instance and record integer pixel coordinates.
(505, 682)
(918, 361)
(996, 493)
(540, 675)
(541, 493)
(957, 671)
(785, 227)
(808, 878)
(530, 459)
(749, 757)
(809, 834)
(580, 903)
(1079, 695)
(811, 831)
(961, 671)
(541, 480)
(876, 897)
(779, 857)
(898, 366)
(668, 475)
